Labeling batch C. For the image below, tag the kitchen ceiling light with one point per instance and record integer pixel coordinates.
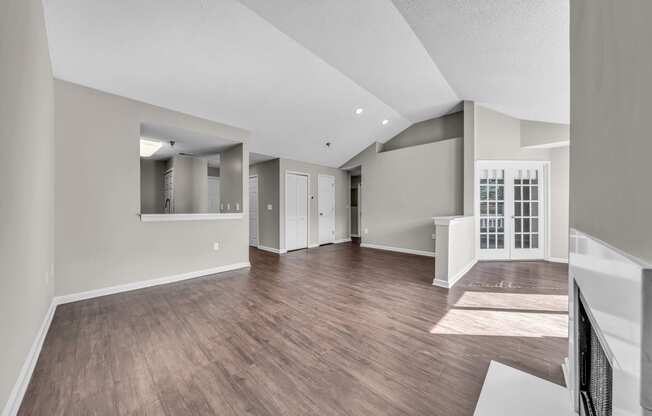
(149, 147)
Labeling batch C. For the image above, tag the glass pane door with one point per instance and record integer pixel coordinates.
(527, 213)
(492, 214)
(510, 204)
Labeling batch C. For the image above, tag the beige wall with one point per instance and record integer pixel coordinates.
(100, 239)
(498, 137)
(610, 122)
(342, 194)
(26, 180)
(559, 205)
(268, 194)
(403, 189)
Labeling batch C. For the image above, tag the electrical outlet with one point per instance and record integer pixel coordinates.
(433, 236)
(216, 246)
(366, 230)
(269, 207)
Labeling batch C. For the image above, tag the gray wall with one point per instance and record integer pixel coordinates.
(403, 189)
(26, 180)
(231, 182)
(99, 237)
(190, 182)
(610, 122)
(151, 186)
(428, 131)
(342, 194)
(268, 193)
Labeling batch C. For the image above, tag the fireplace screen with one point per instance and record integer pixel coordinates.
(595, 375)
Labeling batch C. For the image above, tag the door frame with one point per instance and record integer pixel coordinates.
(334, 210)
(257, 208)
(545, 243)
(285, 208)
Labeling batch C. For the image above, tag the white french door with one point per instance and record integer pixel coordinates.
(511, 207)
(326, 203)
(296, 211)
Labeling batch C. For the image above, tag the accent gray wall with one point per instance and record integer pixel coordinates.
(537, 133)
(151, 186)
(342, 195)
(610, 167)
(231, 179)
(27, 183)
(268, 193)
(100, 239)
(428, 131)
(403, 189)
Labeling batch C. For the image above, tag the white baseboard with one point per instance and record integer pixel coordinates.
(342, 240)
(399, 249)
(271, 249)
(557, 260)
(451, 282)
(355, 235)
(313, 245)
(25, 375)
(74, 297)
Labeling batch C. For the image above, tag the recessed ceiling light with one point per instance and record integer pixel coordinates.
(359, 110)
(149, 147)
(385, 122)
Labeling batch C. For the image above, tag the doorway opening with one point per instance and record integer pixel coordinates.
(253, 210)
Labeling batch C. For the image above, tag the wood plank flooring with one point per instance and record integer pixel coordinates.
(336, 330)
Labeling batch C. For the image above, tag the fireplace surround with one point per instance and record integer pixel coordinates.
(610, 333)
(595, 372)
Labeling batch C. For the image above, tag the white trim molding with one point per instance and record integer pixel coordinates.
(271, 249)
(25, 375)
(190, 217)
(399, 249)
(342, 240)
(74, 297)
(557, 260)
(451, 281)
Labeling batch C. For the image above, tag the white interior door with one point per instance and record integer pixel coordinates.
(511, 207)
(253, 211)
(213, 194)
(326, 202)
(296, 211)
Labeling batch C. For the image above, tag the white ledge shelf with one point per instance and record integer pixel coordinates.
(190, 217)
(447, 220)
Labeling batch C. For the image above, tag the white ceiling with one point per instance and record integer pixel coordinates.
(294, 71)
(511, 55)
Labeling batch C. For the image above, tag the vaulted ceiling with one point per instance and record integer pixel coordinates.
(293, 72)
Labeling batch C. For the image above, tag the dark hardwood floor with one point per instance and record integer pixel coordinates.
(336, 330)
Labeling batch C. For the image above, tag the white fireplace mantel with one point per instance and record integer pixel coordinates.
(612, 291)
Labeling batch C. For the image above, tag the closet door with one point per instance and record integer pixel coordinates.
(296, 211)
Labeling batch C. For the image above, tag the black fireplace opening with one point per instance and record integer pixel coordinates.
(595, 373)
